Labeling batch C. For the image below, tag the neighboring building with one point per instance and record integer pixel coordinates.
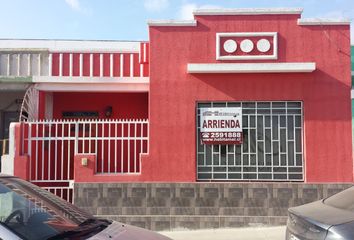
(352, 94)
(54, 73)
(220, 121)
(12, 90)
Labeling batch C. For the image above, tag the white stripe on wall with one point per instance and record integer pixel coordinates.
(145, 52)
(91, 64)
(131, 65)
(81, 64)
(111, 65)
(70, 64)
(121, 64)
(101, 65)
(60, 64)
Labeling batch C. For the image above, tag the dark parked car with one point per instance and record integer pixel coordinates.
(30, 213)
(328, 219)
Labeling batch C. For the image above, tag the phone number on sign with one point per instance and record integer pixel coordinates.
(222, 135)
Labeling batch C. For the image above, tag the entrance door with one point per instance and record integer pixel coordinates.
(8, 117)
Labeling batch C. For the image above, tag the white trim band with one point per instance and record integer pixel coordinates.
(248, 11)
(93, 87)
(172, 23)
(49, 79)
(68, 45)
(322, 21)
(251, 67)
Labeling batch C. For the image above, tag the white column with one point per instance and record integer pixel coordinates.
(132, 65)
(60, 64)
(39, 64)
(29, 64)
(81, 62)
(111, 65)
(50, 62)
(18, 64)
(8, 161)
(91, 64)
(70, 64)
(121, 64)
(8, 65)
(101, 64)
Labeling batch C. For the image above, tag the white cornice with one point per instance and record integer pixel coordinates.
(251, 67)
(69, 45)
(93, 87)
(248, 11)
(91, 84)
(322, 21)
(80, 80)
(172, 23)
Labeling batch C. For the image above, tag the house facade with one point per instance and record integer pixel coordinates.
(224, 120)
(352, 94)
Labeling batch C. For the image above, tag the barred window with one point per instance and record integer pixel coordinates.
(272, 148)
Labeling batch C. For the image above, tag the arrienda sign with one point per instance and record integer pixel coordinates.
(221, 125)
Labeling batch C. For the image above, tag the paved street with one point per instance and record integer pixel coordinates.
(252, 233)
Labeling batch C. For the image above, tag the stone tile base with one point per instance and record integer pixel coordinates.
(169, 206)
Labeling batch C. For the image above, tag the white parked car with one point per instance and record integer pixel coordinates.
(28, 212)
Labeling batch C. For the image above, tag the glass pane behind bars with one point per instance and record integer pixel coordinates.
(272, 145)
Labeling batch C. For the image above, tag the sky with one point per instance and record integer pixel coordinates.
(127, 19)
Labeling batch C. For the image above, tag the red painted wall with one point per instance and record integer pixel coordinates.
(125, 105)
(41, 105)
(324, 92)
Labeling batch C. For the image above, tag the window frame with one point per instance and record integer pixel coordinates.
(293, 167)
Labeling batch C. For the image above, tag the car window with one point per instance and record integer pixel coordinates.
(342, 200)
(62, 207)
(27, 216)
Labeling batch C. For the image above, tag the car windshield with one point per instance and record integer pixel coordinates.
(34, 213)
(343, 200)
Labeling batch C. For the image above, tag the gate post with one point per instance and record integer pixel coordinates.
(15, 163)
(21, 163)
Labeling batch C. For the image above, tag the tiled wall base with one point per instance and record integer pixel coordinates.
(167, 206)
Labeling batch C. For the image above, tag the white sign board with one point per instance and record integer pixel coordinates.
(221, 125)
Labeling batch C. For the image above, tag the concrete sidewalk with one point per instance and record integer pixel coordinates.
(251, 233)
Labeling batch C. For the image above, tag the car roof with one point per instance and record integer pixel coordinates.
(2, 175)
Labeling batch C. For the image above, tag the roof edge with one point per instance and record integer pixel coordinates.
(248, 11)
(171, 23)
(322, 21)
(67, 45)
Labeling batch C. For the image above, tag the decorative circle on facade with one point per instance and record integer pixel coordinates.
(247, 46)
(263, 45)
(230, 46)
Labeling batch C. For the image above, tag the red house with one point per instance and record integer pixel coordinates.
(232, 97)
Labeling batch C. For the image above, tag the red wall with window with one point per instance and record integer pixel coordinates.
(325, 93)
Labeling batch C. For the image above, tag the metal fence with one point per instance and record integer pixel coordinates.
(52, 145)
(272, 148)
